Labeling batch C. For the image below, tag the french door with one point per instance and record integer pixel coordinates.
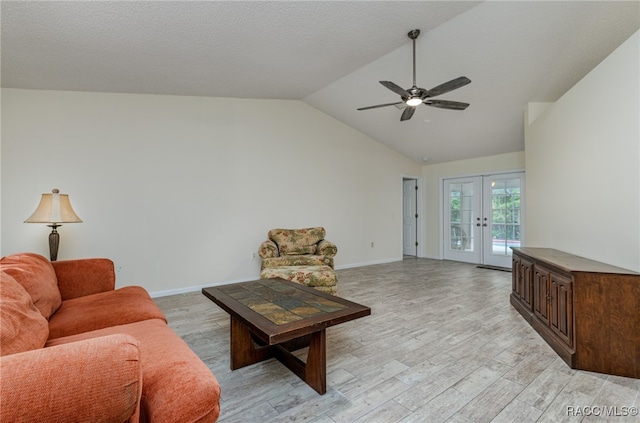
(483, 218)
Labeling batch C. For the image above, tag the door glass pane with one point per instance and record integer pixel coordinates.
(461, 215)
(505, 214)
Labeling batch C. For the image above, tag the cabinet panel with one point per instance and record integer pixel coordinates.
(561, 310)
(526, 294)
(515, 275)
(541, 294)
(521, 281)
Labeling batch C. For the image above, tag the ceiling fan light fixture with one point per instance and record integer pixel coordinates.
(414, 101)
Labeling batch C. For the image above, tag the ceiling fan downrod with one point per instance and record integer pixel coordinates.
(413, 34)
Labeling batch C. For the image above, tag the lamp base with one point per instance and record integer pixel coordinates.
(54, 242)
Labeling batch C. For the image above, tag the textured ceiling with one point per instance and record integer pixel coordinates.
(329, 54)
(281, 49)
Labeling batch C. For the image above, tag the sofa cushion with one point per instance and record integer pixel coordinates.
(91, 381)
(296, 239)
(105, 309)
(177, 385)
(35, 273)
(80, 277)
(22, 326)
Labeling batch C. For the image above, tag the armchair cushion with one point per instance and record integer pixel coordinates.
(22, 326)
(299, 250)
(35, 273)
(308, 260)
(297, 241)
(96, 380)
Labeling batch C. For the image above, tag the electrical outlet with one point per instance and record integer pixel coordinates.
(371, 244)
(254, 256)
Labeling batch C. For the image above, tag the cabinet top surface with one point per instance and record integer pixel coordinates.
(570, 262)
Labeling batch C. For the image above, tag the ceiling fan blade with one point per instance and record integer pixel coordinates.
(395, 88)
(448, 86)
(408, 112)
(445, 104)
(380, 105)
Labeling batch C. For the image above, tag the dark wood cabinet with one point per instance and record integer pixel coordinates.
(587, 311)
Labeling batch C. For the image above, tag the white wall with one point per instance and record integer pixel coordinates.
(435, 173)
(180, 191)
(583, 165)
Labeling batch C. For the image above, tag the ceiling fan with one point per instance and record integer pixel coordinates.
(415, 96)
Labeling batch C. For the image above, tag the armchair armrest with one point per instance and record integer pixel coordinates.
(77, 278)
(327, 248)
(268, 249)
(93, 380)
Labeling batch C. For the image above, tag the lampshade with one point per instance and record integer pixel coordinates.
(414, 101)
(54, 208)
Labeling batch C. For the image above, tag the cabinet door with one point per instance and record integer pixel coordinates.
(526, 272)
(561, 296)
(521, 280)
(541, 293)
(515, 273)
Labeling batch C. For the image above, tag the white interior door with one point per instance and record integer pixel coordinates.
(483, 218)
(409, 217)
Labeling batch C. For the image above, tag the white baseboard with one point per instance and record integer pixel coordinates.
(367, 263)
(432, 257)
(195, 288)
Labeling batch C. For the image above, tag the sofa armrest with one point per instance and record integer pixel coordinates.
(327, 248)
(77, 278)
(93, 380)
(268, 249)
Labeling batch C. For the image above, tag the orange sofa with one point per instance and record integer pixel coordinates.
(75, 349)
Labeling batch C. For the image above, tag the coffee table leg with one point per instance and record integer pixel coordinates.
(244, 351)
(316, 367)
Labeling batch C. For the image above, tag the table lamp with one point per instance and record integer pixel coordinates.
(54, 209)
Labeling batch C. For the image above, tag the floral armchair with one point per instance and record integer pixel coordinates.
(300, 255)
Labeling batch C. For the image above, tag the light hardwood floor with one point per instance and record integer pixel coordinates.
(442, 344)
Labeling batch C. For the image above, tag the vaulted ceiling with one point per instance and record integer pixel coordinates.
(329, 54)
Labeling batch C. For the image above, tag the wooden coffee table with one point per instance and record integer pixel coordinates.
(273, 317)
